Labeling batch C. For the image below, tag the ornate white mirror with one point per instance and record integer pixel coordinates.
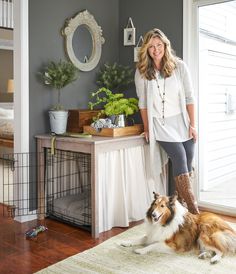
(83, 41)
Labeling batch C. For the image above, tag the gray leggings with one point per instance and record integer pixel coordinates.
(181, 155)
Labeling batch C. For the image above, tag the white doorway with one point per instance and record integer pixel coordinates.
(217, 104)
(21, 99)
(210, 51)
(21, 76)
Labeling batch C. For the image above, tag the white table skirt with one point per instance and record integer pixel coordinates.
(124, 191)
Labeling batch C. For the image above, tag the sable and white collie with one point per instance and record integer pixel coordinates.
(171, 228)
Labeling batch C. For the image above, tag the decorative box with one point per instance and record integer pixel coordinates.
(80, 117)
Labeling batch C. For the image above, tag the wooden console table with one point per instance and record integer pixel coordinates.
(93, 146)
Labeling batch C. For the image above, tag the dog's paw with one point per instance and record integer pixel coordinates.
(140, 251)
(126, 243)
(215, 259)
(203, 255)
(206, 254)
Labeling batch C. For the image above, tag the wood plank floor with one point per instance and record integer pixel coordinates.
(20, 255)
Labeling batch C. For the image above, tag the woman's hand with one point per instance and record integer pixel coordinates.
(145, 124)
(145, 134)
(193, 133)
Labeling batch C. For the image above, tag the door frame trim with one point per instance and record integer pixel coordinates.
(21, 76)
(21, 80)
(191, 57)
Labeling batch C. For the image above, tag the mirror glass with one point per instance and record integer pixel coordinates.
(82, 43)
(83, 40)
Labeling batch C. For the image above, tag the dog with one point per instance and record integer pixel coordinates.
(170, 228)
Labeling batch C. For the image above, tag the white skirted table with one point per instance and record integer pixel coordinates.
(119, 187)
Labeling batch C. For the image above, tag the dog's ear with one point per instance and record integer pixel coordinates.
(176, 194)
(173, 198)
(156, 195)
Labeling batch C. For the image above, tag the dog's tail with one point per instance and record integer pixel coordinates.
(227, 240)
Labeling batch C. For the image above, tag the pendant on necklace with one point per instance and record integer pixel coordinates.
(162, 96)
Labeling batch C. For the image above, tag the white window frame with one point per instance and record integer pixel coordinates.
(21, 94)
(21, 76)
(191, 57)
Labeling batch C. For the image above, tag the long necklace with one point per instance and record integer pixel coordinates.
(162, 95)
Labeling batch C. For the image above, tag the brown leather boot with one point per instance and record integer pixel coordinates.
(185, 192)
(180, 197)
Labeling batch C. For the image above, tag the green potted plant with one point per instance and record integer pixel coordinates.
(114, 76)
(58, 76)
(114, 104)
(111, 79)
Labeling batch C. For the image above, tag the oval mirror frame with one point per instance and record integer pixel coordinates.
(87, 19)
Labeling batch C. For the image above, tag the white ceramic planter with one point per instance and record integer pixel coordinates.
(58, 121)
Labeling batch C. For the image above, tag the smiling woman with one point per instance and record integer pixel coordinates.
(166, 103)
(156, 51)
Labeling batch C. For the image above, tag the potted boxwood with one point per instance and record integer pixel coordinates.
(58, 76)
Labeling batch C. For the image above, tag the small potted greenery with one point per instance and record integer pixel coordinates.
(58, 76)
(115, 76)
(114, 104)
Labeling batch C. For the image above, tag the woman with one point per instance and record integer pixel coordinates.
(166, 105)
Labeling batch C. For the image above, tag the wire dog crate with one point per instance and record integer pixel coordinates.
(18, 184)
(67, 186)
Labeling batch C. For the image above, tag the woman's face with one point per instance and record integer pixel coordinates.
(156, 49)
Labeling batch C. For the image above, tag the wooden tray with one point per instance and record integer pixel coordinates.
(115, 132)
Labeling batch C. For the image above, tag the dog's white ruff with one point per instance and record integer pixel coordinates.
(156, 233)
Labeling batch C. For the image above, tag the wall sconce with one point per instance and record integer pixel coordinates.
(10, 86)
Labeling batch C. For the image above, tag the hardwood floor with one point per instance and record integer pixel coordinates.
(20, 255)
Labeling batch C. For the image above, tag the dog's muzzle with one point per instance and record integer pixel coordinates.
(155, 217)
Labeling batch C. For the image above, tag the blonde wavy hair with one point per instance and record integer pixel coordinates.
(145, 64)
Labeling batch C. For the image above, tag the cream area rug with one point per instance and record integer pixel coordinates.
(109, 257)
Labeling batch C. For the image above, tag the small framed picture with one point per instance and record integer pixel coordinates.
(129, 33)
(129, 36)
(137, 48)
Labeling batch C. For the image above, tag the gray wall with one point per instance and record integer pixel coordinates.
(166, 15)
(46, 18)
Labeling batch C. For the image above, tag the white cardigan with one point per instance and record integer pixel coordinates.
(157, 158)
